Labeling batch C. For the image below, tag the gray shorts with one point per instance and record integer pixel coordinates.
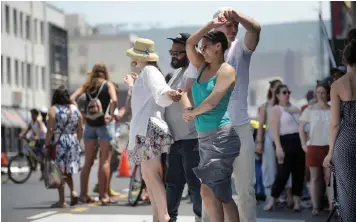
(218, 150)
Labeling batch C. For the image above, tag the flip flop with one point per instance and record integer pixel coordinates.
(58, 205)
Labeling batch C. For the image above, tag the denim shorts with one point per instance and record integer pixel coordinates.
(103, 133)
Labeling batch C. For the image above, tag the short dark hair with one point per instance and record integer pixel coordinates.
(350, 53)
(352, 35)
(61, 96)
(34, 112)
(217, 37)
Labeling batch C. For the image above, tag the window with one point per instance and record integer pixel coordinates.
(35, 30)
(23, 80)
(15, 22)
(82, 50)
(2, 71)
(28, 27)
(8, 66)
(17, 72)
(21, 25)
(7, 18)
(28, 76)
(43, 77)
(42, 32)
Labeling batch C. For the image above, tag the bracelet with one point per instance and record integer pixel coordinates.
(189, 108)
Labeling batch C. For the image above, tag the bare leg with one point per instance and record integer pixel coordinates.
(90, 152)
(152, 174)
(315, 188)
(329, 189)
(231, 213)
(104, 169)
(213, 205)
(153, 204)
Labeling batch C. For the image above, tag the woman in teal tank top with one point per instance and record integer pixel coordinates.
(219, 144)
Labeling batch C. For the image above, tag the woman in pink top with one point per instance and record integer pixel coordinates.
(290, 155)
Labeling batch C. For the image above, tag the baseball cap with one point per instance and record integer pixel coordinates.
(181, 38)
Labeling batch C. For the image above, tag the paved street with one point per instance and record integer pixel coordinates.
(31, 201)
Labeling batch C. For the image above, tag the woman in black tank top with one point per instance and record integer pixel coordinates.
(99, 127)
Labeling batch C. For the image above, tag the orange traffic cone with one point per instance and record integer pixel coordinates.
(3, 159)
(124, 167)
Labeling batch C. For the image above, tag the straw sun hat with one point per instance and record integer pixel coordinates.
(143, 50)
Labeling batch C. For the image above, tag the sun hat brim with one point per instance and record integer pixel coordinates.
(151, 57)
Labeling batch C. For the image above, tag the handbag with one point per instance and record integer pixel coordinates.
(53, 176)
(161, 124)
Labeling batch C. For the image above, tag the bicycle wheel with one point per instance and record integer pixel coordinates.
(24, 168)
(136, 186)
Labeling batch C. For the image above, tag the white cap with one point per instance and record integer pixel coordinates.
(44, 109)
(221, 10)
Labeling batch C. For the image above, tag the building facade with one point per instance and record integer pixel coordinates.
(88, 46)
(25, 63)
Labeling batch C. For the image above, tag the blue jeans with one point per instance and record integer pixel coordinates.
(182, 157)
(104, 133)
(259, 188)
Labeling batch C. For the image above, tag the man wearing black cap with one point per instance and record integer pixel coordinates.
(184, 153)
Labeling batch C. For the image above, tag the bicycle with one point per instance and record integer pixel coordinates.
(137, 184)
(30, 156)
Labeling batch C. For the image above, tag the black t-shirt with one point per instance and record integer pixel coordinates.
(104, 98)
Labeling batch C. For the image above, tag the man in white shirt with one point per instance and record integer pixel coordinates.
(184, 153)
(239, 56)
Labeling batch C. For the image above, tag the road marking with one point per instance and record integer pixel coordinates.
(131, 218)
(18, 169)
(95, 204)
(44, 214)
(79, 209)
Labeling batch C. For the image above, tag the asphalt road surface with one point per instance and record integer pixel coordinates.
(31, 201)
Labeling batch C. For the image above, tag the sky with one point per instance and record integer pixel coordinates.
(182, 13)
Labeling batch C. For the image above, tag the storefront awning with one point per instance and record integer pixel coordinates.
(14, 118)
(5, 121)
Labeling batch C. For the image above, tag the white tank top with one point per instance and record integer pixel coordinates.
(35, 127)
(289, 122)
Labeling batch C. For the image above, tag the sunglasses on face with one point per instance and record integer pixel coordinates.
(175, 53)
(286, 92)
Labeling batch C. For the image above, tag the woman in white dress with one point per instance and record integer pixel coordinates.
(149, 133)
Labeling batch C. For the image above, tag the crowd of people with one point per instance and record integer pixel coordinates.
(199, 119)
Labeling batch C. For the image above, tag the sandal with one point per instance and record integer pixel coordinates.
(268, 207)
(315, 212)
(59, 205)
(108, 202)
(86, 200)
(74, 200)
(297, 208)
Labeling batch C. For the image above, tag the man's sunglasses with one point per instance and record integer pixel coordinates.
(285, 92)
(176, 53)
